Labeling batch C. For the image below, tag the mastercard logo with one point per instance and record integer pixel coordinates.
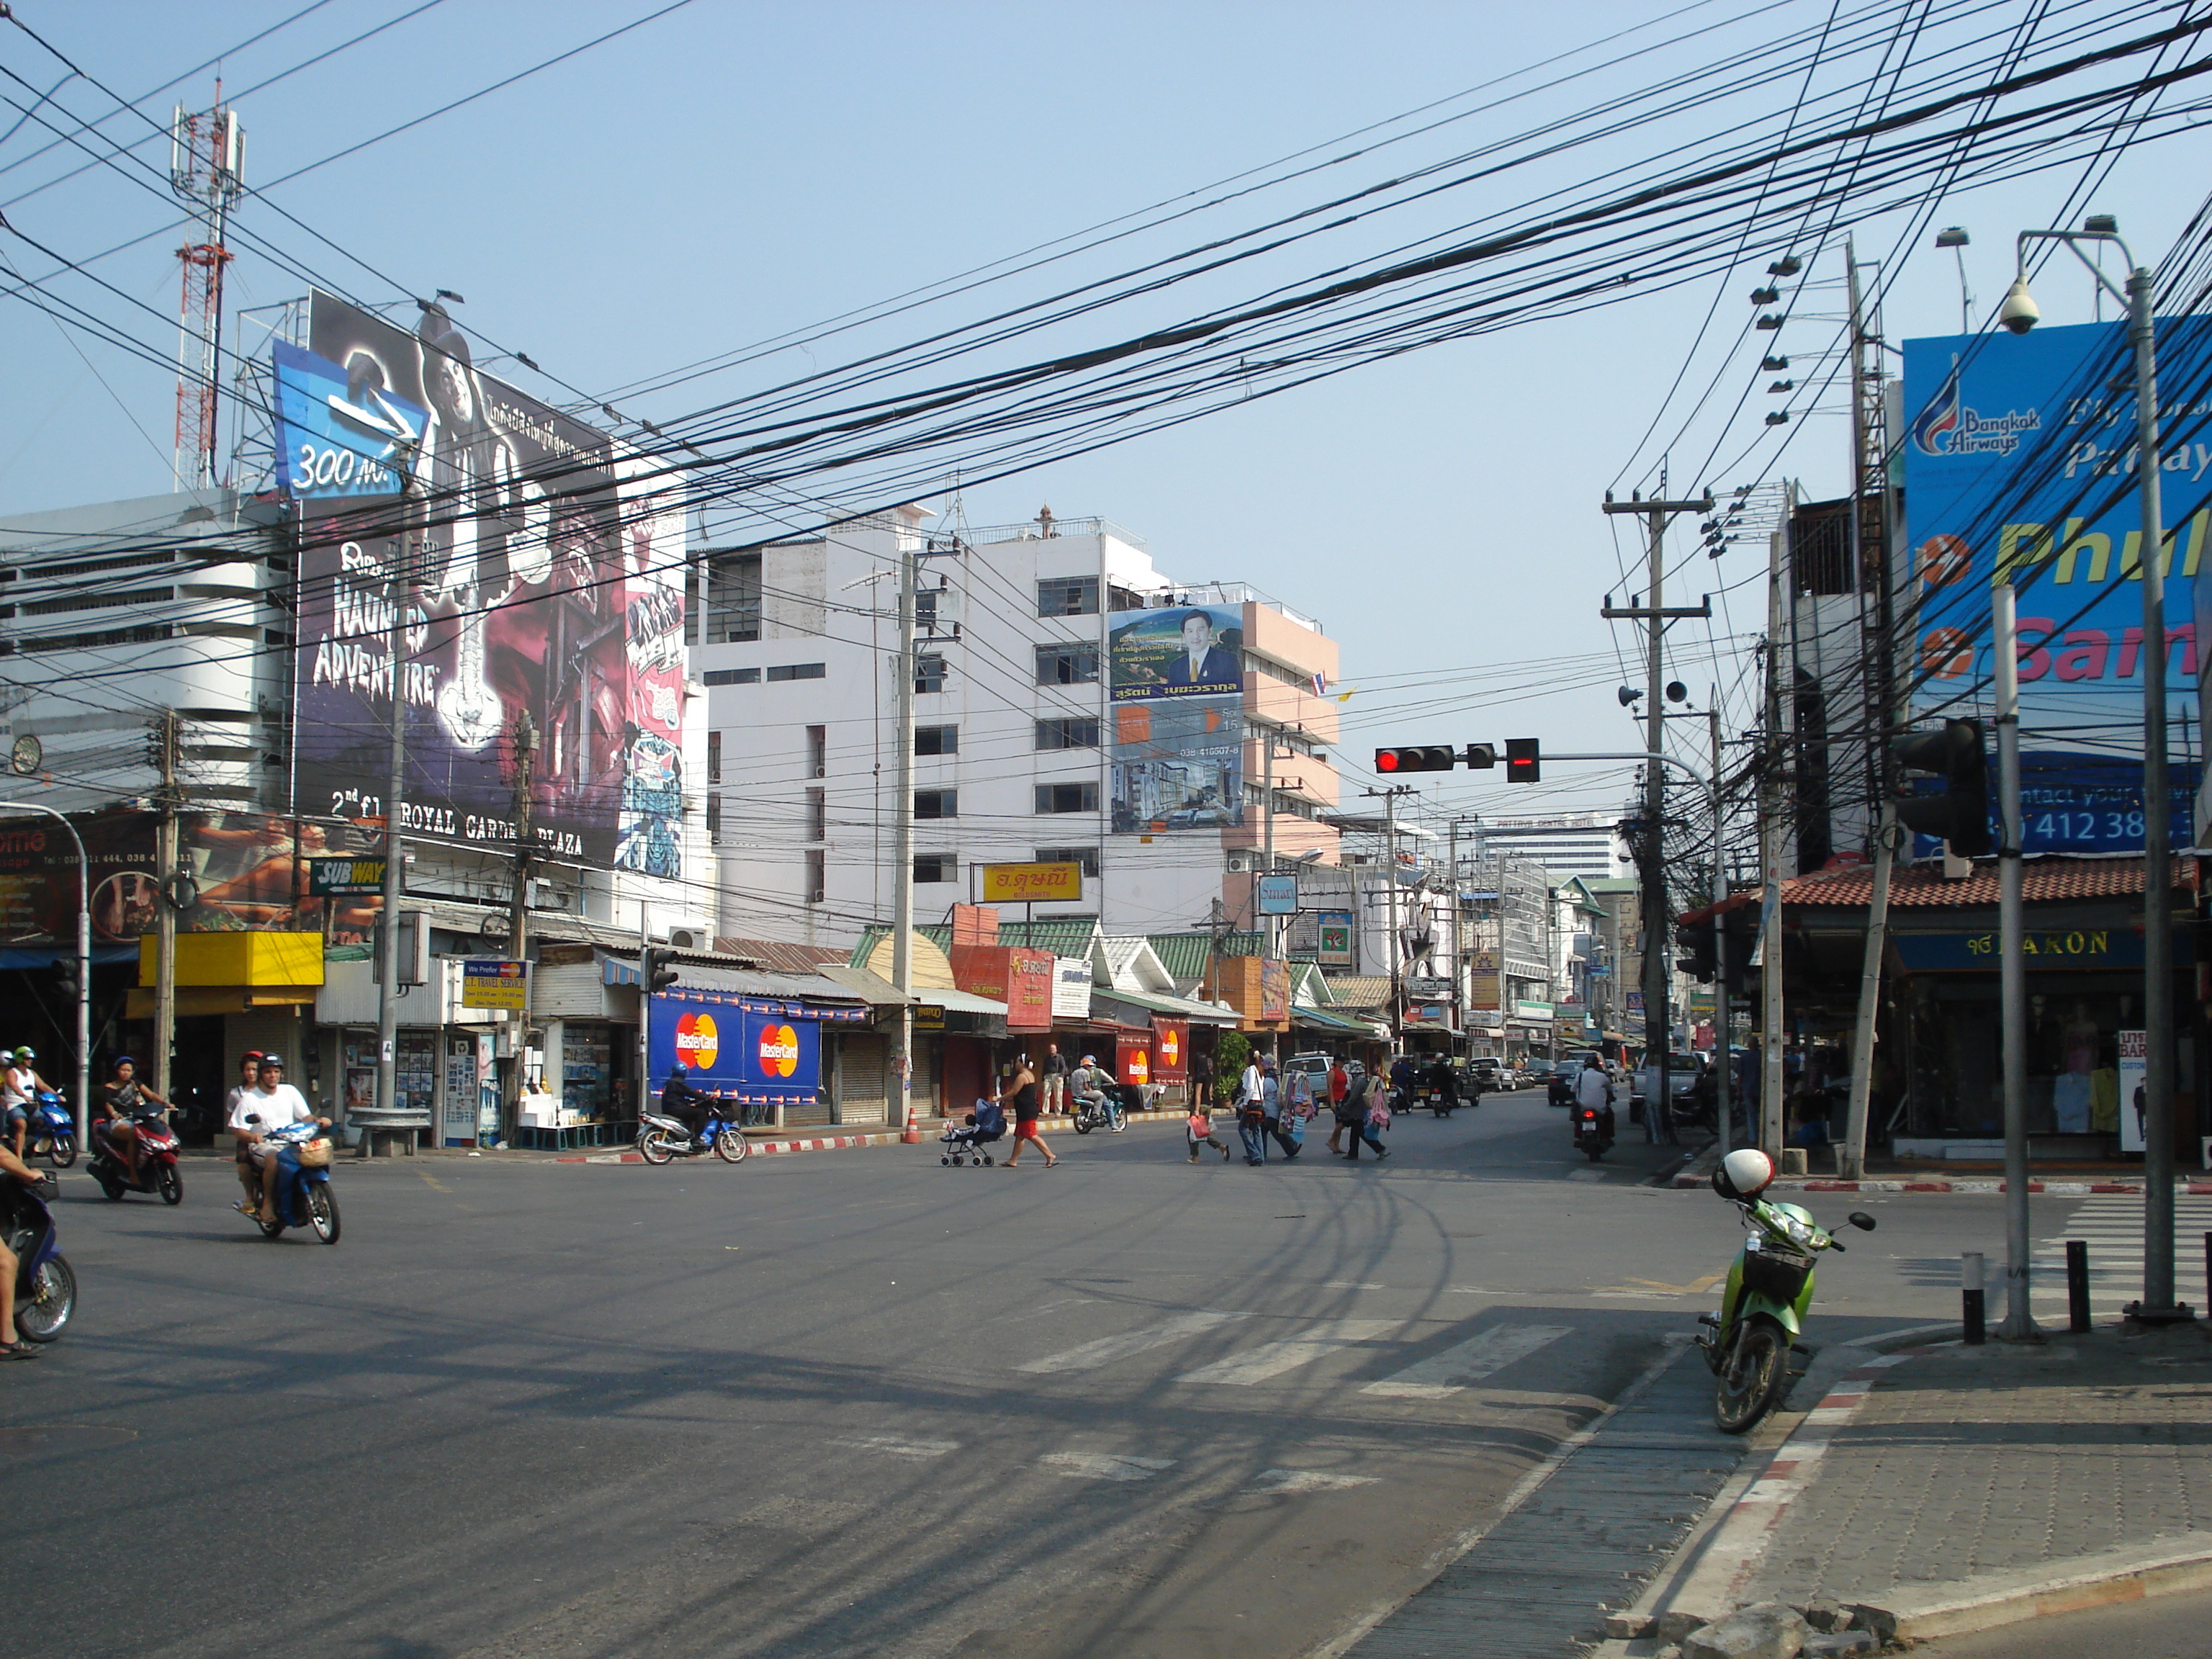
(1170, 1049)
(779, 1051)
(1138, 1068)
(698, 1042)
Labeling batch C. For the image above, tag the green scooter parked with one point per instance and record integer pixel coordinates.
(1748, 1339)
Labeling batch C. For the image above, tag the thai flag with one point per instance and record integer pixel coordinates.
(1320, 685)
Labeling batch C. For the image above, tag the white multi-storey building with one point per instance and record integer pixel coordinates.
(1566, 844)
(1016, 731)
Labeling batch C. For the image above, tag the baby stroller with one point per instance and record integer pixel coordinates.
(988, 1122)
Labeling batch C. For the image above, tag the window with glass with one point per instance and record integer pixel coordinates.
(1085, 856)
(1068, 596)
(1066, 734)
(937, 803)
(1066, 665)
(936, 739)
(935, 868)
(929, 671)
(1067, 797)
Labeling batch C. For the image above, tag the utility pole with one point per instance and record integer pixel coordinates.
(1723, 1060)
(2019, 1324)
(1390, 874)
(165, 905)
(1772, 800)
(401, 549)
(902, 852)
(1658, 935)
(526, 852)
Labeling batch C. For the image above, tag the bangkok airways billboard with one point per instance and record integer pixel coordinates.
(2020, 465)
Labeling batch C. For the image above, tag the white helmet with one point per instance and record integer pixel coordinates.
(1744, 1173)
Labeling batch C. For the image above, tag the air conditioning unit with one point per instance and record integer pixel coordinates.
(686, 938)
(817, 895)
(1240, 863)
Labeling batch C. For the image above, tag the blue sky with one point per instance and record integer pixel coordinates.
(732, 172)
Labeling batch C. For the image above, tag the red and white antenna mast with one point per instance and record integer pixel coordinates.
(206, 161)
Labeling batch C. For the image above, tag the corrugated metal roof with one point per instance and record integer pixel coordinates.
(2054, 877)
(1177, 1007)
(778, 957)
(1064, 936)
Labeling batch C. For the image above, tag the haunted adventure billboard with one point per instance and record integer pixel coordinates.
(535, 564)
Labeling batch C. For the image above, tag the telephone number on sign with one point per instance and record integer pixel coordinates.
(336, 471)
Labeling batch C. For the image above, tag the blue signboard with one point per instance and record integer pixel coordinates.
(2019, 463)
(732, 1050)
(2081, 803)
(341, 439)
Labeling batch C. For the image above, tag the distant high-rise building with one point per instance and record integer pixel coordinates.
(1568, 844)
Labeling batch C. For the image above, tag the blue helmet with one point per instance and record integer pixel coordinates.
(677, 1070)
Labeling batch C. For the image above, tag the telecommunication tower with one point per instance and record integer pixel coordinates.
(206, 161)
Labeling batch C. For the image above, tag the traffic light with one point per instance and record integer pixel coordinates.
(1742, 927)
(660, 971)
(1524, 761)
(1432, 757)
(1961, 814)
(1700, 961)
(1480, 757)
(64, 977)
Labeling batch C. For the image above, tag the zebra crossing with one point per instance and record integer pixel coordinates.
(1437, 1377)
(2111, 1225)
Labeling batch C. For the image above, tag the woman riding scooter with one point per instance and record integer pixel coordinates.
(120, 1099)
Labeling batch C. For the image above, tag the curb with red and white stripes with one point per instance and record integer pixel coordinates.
(1732, 1550)
(2194, 1188)
(830, 1143)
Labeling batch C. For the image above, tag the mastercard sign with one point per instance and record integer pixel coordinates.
(779, 1051)
(1170, 1049)
(697, 1043)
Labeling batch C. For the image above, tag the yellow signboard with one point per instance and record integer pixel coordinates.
(1030, 884)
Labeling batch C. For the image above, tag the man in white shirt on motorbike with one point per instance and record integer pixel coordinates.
(277, 1105)
(1593, 1089)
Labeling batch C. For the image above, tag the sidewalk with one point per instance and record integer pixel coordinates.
(1884, 1177)
(1945, 1489)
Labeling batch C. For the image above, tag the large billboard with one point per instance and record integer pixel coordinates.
(1182, 651)
(249, 873)
(2020, 461)
(731, 1050)
(1177, 765)
(536, 565)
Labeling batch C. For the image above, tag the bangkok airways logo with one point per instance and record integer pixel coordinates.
(1946, 427)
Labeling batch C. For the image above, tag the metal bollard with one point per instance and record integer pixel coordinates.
(2208, 1270)
(1970, 1283)
(2077, 1283)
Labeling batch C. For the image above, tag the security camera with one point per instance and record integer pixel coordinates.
(2018, 313)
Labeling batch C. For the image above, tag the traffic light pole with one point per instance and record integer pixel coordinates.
(83, 967)
(2019, 1322)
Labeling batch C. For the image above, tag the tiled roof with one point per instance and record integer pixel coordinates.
(1187, 956)
(1359, 990)
(1064, 936)
(2051, 878)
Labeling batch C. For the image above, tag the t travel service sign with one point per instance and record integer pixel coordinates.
(2020, 465)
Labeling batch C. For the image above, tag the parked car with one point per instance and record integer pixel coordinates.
(1682, 1074)
(1315, 1065)
(1490, 1069)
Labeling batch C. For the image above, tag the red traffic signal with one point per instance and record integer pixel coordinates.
(1524, 761)
(1429, 758)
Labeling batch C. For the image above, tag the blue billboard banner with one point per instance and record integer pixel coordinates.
(2020, 465)
(2077, 803)
(735, 1051)
(341, 438)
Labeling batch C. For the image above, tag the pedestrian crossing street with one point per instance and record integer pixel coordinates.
(2112, 1223)
(1435, 1377)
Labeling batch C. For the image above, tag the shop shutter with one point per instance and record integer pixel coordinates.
(862, 1073)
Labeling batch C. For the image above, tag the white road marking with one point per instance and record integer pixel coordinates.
(1585, 1175)
(1102, 1466)
(1466, 1362)
(897, 1447)
(1090, 1356)
(1272, 1359)
(1350, 1284)
(1282, 1480)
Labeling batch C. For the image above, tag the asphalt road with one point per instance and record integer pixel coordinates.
(853, 1402)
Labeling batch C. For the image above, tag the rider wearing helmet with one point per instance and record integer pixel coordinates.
(1593, 1087)
(680, 1101)
(24, 1083)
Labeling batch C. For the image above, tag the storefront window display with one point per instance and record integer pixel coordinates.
(588, 1069)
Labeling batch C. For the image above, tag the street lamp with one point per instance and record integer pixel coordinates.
(2020, 313)
(1954, 237)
